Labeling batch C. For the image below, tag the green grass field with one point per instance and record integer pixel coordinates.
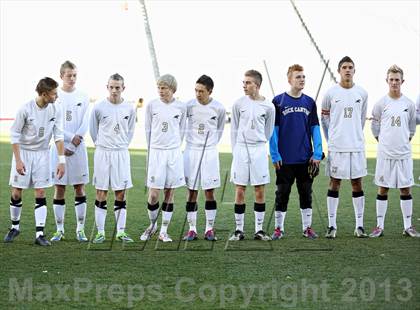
(294, 273)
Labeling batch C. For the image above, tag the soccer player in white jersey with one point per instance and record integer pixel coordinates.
(205, 123)
(35, 123)
(165, 127)
(393, 125)
(112, 124)
(251, 128)
(74, 106)
(343, 117)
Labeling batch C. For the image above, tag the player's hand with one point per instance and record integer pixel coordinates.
(60, 171)
(277, 165)
(20, 167)
(77, 140)
(67, 152)
(315, 162)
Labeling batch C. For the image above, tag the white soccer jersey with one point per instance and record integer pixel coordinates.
(252, 121)
(112, 125)
(34, 126)
(75, 110)
(343, 118)
(165, 124)
(202, 119)
(394, 122)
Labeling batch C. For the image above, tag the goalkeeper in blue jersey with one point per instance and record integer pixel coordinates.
(296, 131)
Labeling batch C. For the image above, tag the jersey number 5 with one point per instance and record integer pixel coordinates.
(164, 127)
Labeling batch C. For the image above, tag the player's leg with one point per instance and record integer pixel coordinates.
(152, 211)
(332, 205)
(191, 165)
(259, 213)
(40, 217)
(406, 203)
(59, 207)
(304, 186)
(381, 208)
(80, 211)
(284, 181)
(120, 212)
(167, 211)
(240, 207)
(210, 210)
(101, 211)
(191, 209)
(359, 207)
(15, 212)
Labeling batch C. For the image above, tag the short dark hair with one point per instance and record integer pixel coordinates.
(345, 59)
(45, 85)
(255, 75)
(116, 77)
(206, 81)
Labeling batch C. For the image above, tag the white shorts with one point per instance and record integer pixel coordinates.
(346, 165)
(394, 173)
(166, 169)
(77, 170)
(209, 174)
(250, 165)
(111, 169)
(38, 170)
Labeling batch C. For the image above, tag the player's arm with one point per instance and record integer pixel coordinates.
(148, 123)
(364, 110)
(412, 121)
(234, 125)
(325, 115)
(316, 135)
(375, 125)
(15, 134)
(269, 122)
(274, 143)
(94, 125)
(418, 110)
(59, 143)
(183, 123)
(84, 126)
(131, 125)
(221, 120)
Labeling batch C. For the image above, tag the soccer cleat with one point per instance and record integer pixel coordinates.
(277, 234)
(359, 232)
(122, 236)
(376, 232)
(411, 232)
(148, 233)
(309, 233)
(58, 235)
(164, 237)
(209, 235)
(237, 235)
(42, 241)
(190, 236)
(331, 232)
(11, 235)
(99, 238)
(81, 237)
(261, 235)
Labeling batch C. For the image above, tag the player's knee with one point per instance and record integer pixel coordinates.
(405, 191)
(282, 195)
(153, 196)
(120, 195)
(79, 190)
(305, 195)
(356, 185)
(335, 184)
(59, 191)
(259, 194)
(209, 193)
(101, 195)
(383, 191)
(39, 193)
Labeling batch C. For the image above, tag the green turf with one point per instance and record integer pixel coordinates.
(345, 273)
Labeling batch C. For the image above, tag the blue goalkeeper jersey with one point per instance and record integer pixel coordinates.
(296, 129)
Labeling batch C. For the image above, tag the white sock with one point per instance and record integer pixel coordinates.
(359, 209)
(306, 215)
(381, 207)
(59, 213)
(100, 216)
(279, 218)
(210, 217)
(120, 218)
(192, 220)
(407, 211)
(40, 218)
(259, 220)
(80, 210)
(239, 219)
(166, 219)
(332, 204)
(153, 214)
(15, 211)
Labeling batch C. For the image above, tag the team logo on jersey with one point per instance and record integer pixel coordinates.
(214, 118)
(337, 100)
(262, 115)
(406, 110)
(126, 117)
(176, 116)
(105, 117)
(358, 100)
(79, 104)
(52, 119)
